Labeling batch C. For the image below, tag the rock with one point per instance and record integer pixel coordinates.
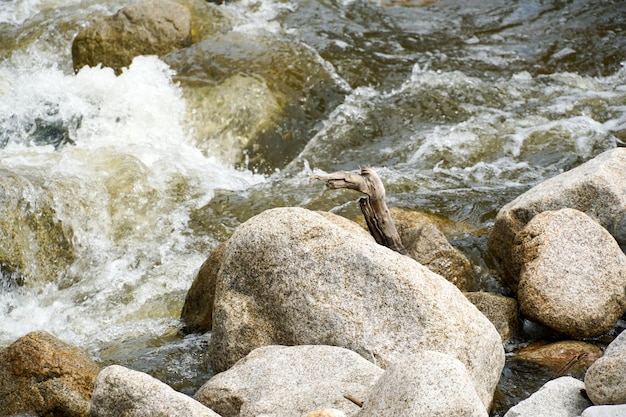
(293, 277)
(42, 375)
(564, 356)
(605, 380)
(427, 244)
(31, 234)
(560, 397)
(326, 412)
(283, 381)
(425, 384)
(197, 312)
(595, 188)
(573, 275)
(123, 392)
(500, 310)
(605, 411)
(149, 27)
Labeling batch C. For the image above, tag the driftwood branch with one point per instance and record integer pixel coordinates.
(373, 207)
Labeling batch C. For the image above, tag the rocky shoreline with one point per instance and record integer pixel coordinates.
(311, 317)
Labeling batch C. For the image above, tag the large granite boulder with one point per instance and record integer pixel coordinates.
(121, 391)
(149, 27)
(573, 274)
(291, 276)
(605, 380)
(42, 375)
(595, 188)
(281, 381)
(561, 397)
(424, 385)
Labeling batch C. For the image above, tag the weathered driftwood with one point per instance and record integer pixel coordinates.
(373, 207)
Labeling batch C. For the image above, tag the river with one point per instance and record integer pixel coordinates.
(116, 188)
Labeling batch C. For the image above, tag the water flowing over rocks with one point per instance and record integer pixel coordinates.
(291, 276)
(149, 27)
(605, 380)
(573, 274)
(282, 381)
(560, 397)
(121, 391)
(425, 384)
(595, 188)
(42, 375)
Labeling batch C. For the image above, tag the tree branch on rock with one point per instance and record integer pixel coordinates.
(373, 207)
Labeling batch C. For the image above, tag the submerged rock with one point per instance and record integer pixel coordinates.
(123, 392)
(595, 188)
(295, 277)
(430, 247)
(573, 273)
(42, 375)
(563, 356)
(560, 397)
(605, 380)
(425, 384)
(283, 381)
(149, 27)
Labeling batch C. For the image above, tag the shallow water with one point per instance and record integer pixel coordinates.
(115, 189)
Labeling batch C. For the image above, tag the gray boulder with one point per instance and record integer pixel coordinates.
(291, 276)
(283, 381)
(573, 274)
(605, 379)
(427, 384)
(605, 411)
(560, 397)
(149, 27)
(121, 391)
(595, 188)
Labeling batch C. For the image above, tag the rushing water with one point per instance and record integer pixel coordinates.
(116, 188)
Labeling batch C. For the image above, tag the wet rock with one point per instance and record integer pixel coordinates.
(42, 375)
(560, 397)
(563, 356)
(293, 277)
(149, 27)
(605, 380)
(425, 384)
(31, 233)
(500, 310)
(573, 274)
(605, 411)
(123, 392)
(197, 312)
(429, 246)
(595, 188)
(289, 382)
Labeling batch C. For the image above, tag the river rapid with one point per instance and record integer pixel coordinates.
(114, 189)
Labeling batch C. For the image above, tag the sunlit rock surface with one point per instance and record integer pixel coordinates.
(42, 375)
(291, 276)
(281, 381)
(605, 380)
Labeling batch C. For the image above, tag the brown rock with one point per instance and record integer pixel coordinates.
(197, 313)
(42, 375)
(426, 243)
(563, 356)
(150, 27)
(500, 310)
(573, 275)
